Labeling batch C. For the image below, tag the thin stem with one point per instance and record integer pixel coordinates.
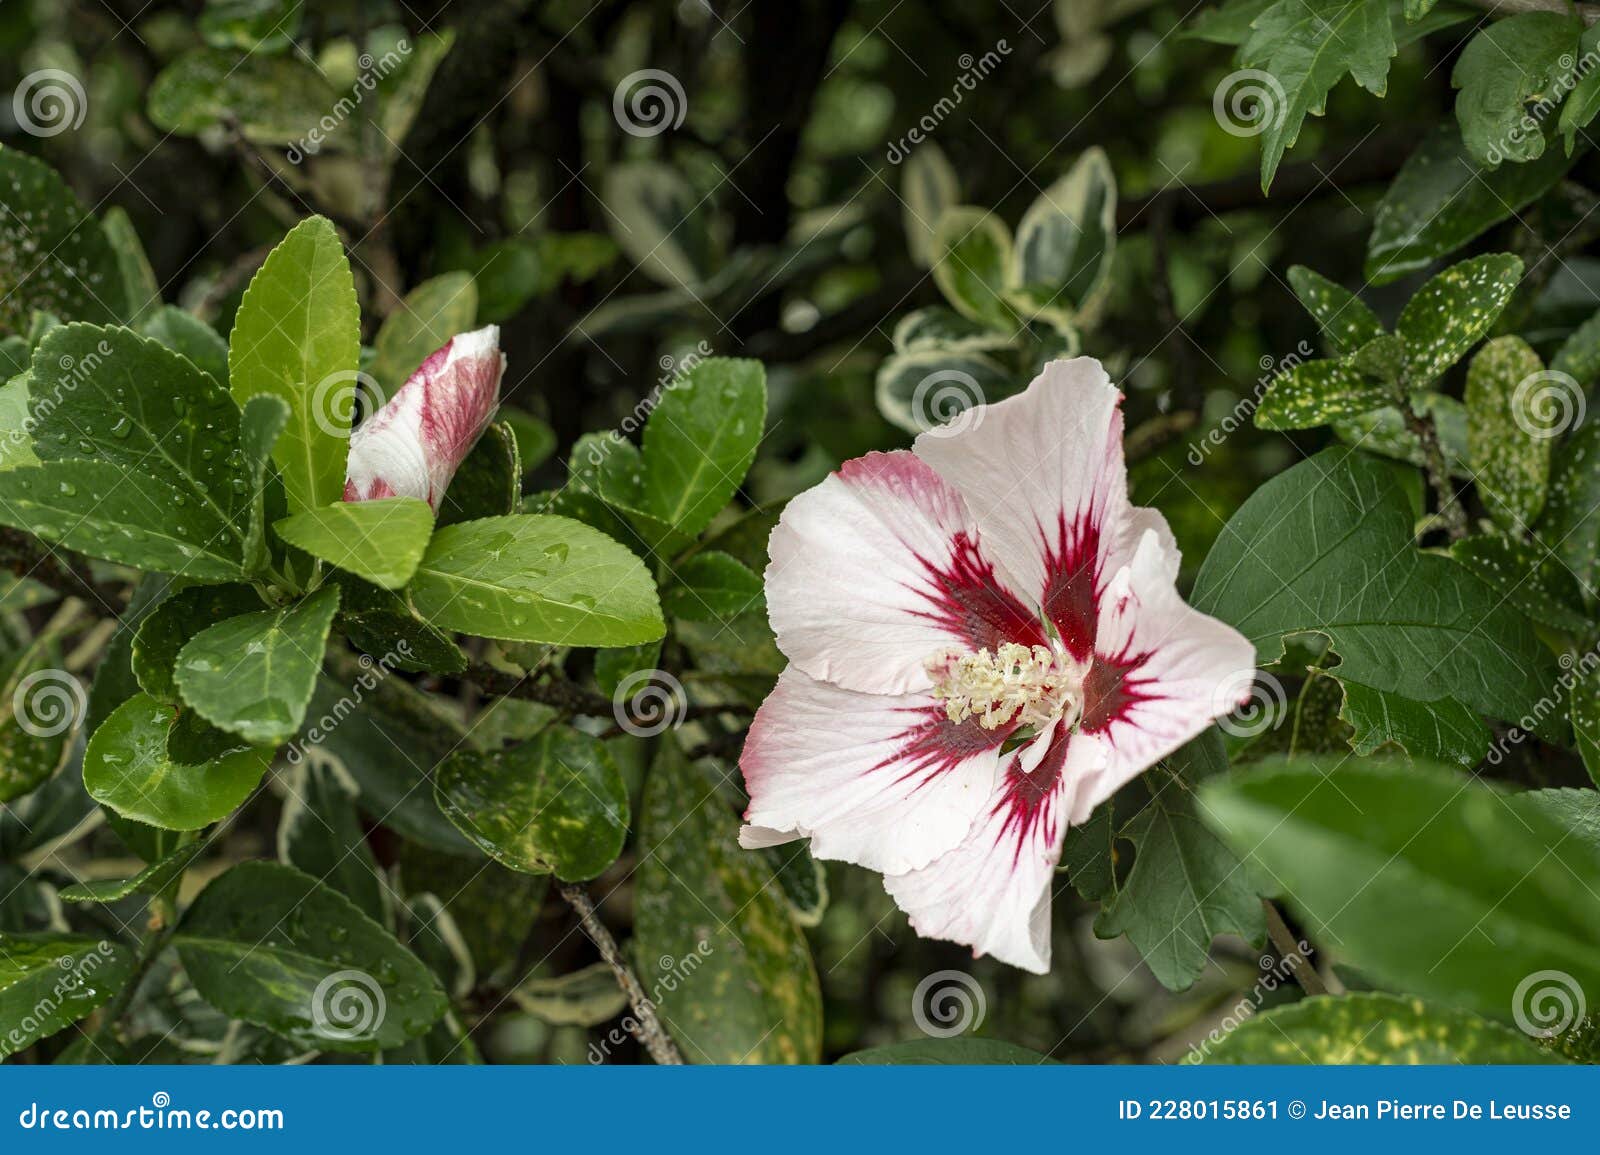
(1289, 950)
(1450, 511)
(645, 1026)
(163, 922)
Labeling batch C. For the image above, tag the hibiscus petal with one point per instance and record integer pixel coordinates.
(412, 446)
(878, 569)
(1043, 476)
(1162, 671)
(887, 782)
(993, 891)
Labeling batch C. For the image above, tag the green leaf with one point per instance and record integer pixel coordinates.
(36, 1001)
(711, 586)
(1314, 393)
(584, 998)
(167, 627)
(928, 186)
(270, 945)
(1579, 355)
(1066, 238)
(430, 315)
(265, 26)
(382, 624)
(140, 289)
(1570, 524)
(1384, 431)
(489, 482)
(52, 256)
(1584, 712)
(752, 995)
(273, 99)
(929, 387)
(1453, 311)
(297, 335)
(700, 440)
(1508, 449)
(1308, 46)
(961, 1051)
(1346, 322)
(253, 675)
(153, 879)
(656, 218)
(260, 425)
(41, 708)
(1584, 99)
(1440, 731)
(505, 276)
(1186, 886)
(381, 540)
(553, 804)
(320, 831)
(1528, 577)
(942, 330)
(1424, 878)
(129, 767)
(1575, 811)
(1299, 555)
(1507, 64)
(536, 578)
(1442, 199)
(536, 441)
(184, 333)
(1368, 1027)
(974, 265)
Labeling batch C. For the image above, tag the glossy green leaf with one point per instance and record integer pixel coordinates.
(260, 425)
(52, 255)
(1368, 1027)
(975, 264)
(381, 540)
(129, 767)
(253, 675)
(1508, 448)
(711, 586)
(184, 333)
(1506, 64)
(1439, 731)
(489, 482)
(320, 832)
(1528, 577)
(271, 945)
(1346, 322)
(297, 335)
(153, 879)
(430, 315)
(50, 981)
(552, 804)
(382, 624)
(1424, 878)
(140, 289)
(749, 993)
(1584, 100)
(700, 440)
(1314, 393)
(170, 625)
(536, 578)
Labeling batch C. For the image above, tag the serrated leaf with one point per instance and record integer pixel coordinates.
(1425, 878)
(381, 623)
(1299, 555)
(430, 315)
(928, 186)
(153, 879)
(297, 335)
(253, 675)
(1439, 731)
(1314, 393)
(753, 995)
(129, 768)
(167, 627)
(711, 586)
(555, 803)
(1508, 450)
(1369, 1028)
(1346, 322)
(35, 999)
(700, 440)
(1505, 65)
(974, 265)
(271, 945)
(52, 255)
(380, 540)
(1186, 886)
(186, 334)
(1453, 312)
(489, 482)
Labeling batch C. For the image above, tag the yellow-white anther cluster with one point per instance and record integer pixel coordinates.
(1029, 686)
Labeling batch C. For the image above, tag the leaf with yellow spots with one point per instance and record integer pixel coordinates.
(1507, 445)
(1453, 312)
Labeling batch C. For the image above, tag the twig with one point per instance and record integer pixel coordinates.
(644, 1024)
(1450, 511)
(1289, 950)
